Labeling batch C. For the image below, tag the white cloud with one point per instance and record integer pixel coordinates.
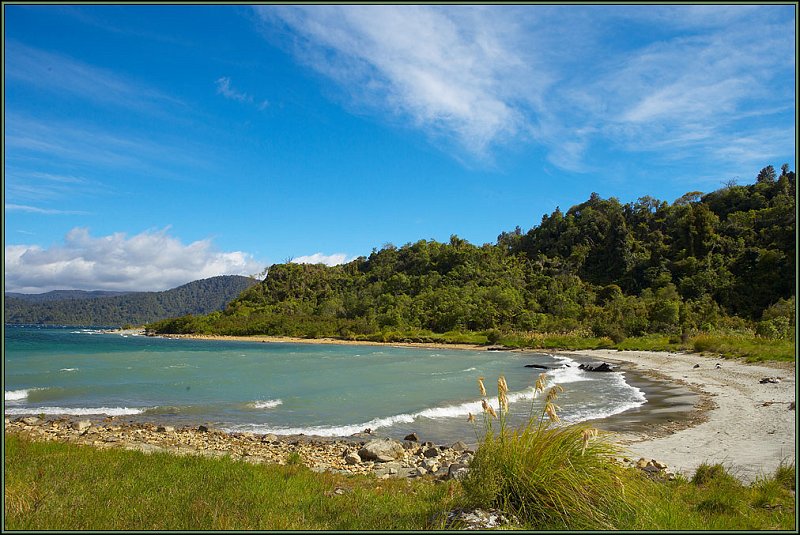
(149, 261)
(567, 78)
(449, 71)
(319, 258)
(225, 89)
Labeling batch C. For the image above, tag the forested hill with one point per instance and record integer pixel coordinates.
(136, 308)
(725, 259)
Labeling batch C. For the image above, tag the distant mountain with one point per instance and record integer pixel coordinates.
(75, 307)
(61, 295)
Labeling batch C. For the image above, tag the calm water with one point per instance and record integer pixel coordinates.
(284, 388)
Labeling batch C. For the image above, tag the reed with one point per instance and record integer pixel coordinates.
(550, 476)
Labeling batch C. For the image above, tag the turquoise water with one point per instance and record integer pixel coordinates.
(284, 388)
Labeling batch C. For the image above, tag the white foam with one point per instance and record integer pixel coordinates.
(265, 404)
(76, 411)
(448, 411)
(68, 369)
(18, 395)
(569, 373)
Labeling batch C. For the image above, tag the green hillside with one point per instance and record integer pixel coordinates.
(137, 308)
(723, 260)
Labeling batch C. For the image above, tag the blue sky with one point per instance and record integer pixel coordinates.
(148, 146)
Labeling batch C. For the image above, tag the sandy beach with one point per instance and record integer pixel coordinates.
(748, 426)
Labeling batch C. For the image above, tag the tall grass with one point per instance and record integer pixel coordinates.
(549, 476)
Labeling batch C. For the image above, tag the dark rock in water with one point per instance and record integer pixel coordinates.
(202, 428)
(497, 348)
(539, 366)
(412, 436)
(430, 452)
(604, 367)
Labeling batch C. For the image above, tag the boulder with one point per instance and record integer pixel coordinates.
(202, 428)
(430, 452)
(459, 447)
(81, 425)
(382, 450)
(430, 465)
(412, 437)
(165, 429)
(766, 380)
(604, 367)
(352, 458)
(31, 420)
(457, 471)
(538, 366)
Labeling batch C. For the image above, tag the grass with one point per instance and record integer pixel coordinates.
(540, 477)
(69, 487)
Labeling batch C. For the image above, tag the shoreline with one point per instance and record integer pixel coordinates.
(696, 412)
(744, 424)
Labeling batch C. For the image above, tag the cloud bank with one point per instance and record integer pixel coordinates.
(149, 261)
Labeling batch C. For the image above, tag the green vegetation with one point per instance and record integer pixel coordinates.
(710, 272)
(135, 308)
(542, 475)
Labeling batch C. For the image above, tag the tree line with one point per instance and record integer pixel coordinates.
(722, 260)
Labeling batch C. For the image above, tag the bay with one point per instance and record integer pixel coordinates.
(288, 388)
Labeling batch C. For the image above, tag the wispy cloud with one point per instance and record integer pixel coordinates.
(61, 74)
(567, 78)
(37, 210)
(225, 89)
(151, 260)
(450, 72)
(320, 258)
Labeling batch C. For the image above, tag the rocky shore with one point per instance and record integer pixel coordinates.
(360, 454)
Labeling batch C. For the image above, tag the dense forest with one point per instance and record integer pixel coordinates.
(65, 307)
(722, 260)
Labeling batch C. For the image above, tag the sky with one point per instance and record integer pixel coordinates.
(146, 146)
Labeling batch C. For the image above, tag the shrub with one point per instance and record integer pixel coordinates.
(549, 476)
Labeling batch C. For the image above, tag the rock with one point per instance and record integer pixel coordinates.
(497, 348)
(766, 380)
(538, 366)
(420, 471)
(717, 365)
(81, 425)
(604, 367)
(392, 471)
(476, 519)
(696, 366)
(352, 458)
(165, 429)
(660, 466)
(269, 437)
(650, 469)
(642, 463)
(381, 450)
(791, 406)
(430, 465)
(457, 471)
(31, 420)
(202, 428)
(459, 447)
(412, 437)
(430, 452)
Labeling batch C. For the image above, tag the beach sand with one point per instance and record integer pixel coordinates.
(741, 423)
